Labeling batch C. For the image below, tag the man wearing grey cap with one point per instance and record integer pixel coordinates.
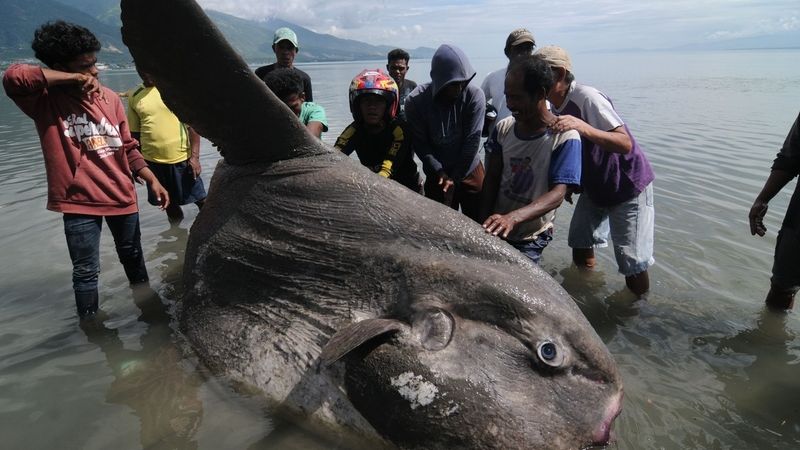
(616, 178)
(285, 46)
(519, 42)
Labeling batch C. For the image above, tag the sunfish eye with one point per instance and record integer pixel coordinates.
(548, 353)
(433, 328)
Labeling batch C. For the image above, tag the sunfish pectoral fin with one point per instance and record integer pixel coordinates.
(353, 336)
(208, 85)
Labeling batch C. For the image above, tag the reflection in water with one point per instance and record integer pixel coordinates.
(152, 380)
(606, 315)
(171, 245)
(767, 374)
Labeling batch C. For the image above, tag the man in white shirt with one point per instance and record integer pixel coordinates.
(519, 42)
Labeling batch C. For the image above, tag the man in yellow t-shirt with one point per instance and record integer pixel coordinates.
(171, 148)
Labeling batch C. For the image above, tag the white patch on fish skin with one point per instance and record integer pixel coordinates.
(412, 388)
(452, 409)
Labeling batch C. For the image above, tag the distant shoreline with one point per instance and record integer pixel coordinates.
(5, 61)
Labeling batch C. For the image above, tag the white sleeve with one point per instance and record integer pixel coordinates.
(599, 112)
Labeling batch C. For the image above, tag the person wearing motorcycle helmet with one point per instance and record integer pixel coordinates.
(376, 135)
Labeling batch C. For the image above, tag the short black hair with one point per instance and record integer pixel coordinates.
(398, 53)
(537, 76)
(60, 42)
(284, 81)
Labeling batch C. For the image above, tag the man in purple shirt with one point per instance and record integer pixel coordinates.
(616, 181)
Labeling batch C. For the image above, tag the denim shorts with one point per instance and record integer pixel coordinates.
(179, 181)
(630, 224)
(533, 249)
(786, 269)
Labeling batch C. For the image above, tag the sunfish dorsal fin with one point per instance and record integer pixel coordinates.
(208, 85)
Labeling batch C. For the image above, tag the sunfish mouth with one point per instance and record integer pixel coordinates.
(603, 434)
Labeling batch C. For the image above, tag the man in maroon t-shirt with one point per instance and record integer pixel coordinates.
(89, 153)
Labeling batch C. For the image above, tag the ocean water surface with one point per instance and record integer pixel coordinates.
(704, 365)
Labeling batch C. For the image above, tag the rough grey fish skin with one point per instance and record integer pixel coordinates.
(348, 301)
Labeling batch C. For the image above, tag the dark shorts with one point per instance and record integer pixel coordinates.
(179, 182)
(533, 249)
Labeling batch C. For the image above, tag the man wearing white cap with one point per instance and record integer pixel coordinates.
(519, 42)
(284, 44)
(616, 178)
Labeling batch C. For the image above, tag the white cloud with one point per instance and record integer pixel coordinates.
(481, 26)
(790, 23)
(763, 27)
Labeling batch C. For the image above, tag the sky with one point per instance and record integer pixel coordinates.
(480, 27)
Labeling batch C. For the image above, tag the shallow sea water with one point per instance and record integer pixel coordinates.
(704, 365)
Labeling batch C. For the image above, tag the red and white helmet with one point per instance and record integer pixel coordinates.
(375, 82)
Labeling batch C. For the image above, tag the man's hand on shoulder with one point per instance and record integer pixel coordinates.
(568, 122)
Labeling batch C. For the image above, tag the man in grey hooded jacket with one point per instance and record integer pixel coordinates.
(445, 118)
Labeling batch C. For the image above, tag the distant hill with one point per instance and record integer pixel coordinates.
(251, 39)
(20, 18)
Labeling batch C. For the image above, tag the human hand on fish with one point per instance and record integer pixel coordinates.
(500, 223)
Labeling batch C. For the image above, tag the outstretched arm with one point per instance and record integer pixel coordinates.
(504, 224)
(315, 128)
(150, 178)
(614, 141)
(784, 169)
